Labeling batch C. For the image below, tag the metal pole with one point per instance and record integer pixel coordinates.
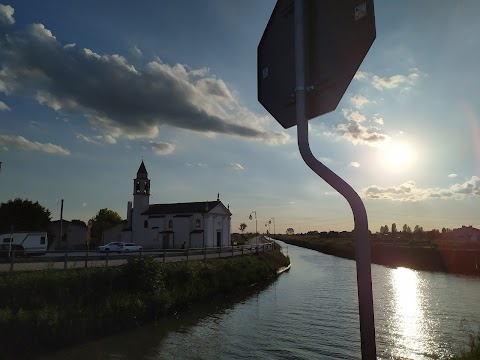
(362, 244)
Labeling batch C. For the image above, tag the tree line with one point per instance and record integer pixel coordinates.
(19, 215)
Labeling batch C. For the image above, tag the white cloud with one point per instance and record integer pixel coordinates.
(4, 107)
(6, 15)
(395, 81)
(161, 148)
(360, 75)
(410, 193)
(358, 134)
(237, 167)
(119, 99)
(378, 120)
(99, 139)
(20, 143)
(452, 175)
(354, 164)
(353, 115)
(359, 101)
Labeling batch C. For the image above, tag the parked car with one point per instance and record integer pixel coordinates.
(128, 247)
(15, 250)
(112, 246)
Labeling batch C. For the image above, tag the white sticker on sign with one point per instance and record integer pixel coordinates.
(265, 72)
(360, 11)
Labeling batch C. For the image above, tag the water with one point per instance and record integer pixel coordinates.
(311, 312)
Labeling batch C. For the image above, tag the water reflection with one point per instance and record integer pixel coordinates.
(408, 321)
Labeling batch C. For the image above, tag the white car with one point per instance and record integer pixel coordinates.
(112, 246)
(129, 247)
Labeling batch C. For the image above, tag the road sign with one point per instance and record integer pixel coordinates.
(338, 35)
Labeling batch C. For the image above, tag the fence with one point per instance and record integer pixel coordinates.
(18, 261)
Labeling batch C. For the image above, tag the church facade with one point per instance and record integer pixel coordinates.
(169, 226)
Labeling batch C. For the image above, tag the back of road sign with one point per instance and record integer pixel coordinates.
(338, 35)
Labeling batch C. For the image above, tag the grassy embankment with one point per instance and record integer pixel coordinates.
(413, 255)
(46, 310)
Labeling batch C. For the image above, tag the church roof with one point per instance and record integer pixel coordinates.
(142, 169)
(202, 207)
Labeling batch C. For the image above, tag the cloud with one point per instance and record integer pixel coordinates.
(99, 139)
(6, 15)
(4, 107)
(378, 120)
(237, 167)
(121, 99)
(359, 101)
(354, 164)
(353, 115)
(409, 192)
(20, 143)
(358, 134)
(360, 75)
(381, 83)
(161, 148)
(452, 175)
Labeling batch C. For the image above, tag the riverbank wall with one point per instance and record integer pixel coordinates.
(455, 261)
(46, 310)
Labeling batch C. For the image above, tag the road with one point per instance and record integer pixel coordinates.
(80, 259)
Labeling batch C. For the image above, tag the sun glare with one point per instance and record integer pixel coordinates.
(398, 157)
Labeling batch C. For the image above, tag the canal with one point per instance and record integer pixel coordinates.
(310, 312)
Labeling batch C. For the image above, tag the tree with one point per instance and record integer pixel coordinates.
(394, 228)
(23, 215)
(242, 227)
(79, 222)
(104, 219)
(384, 229)
(406, 229)
(290, 231)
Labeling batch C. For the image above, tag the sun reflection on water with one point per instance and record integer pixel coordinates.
(409, 317)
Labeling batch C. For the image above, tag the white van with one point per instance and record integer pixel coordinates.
(34, 243)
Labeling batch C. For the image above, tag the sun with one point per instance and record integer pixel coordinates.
(398, 157)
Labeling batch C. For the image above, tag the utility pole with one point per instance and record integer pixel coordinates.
(61, 222)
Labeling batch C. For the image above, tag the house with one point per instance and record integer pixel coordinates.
(74, 235)
(192, 224)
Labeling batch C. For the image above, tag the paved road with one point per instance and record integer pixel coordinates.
(96, 259)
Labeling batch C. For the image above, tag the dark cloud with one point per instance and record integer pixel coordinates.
(117, 97)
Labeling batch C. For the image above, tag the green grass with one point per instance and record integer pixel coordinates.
(50, 309)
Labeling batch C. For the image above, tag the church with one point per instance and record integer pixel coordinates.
(169, 226)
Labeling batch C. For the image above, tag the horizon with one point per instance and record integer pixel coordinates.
(175, 85)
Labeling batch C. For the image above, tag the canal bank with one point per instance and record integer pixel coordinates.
(47, 310)
(434, 258)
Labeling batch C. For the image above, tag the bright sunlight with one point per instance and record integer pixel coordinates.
(398, 157)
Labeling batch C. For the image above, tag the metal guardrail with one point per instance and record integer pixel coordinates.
(81, 258)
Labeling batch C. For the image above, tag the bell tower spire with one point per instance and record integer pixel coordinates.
(141, 190)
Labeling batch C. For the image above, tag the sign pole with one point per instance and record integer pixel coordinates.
(362, 244)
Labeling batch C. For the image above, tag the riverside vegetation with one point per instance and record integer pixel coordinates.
(45, 310)
(419, 255)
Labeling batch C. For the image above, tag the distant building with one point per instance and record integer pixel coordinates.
(193, 224)
(74, 235)
(465, 233)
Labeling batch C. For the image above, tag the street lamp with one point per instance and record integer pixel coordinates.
(256, 231)
(270, 221)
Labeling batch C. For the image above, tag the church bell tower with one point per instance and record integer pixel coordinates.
(141, 190)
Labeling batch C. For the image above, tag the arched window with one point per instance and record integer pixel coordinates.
(197, 223)
(170, 223)
(137, 187)
(145, 224)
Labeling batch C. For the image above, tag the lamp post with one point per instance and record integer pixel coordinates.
(256, 231)
(270, 221)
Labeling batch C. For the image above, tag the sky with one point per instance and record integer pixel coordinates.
(89, 89)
